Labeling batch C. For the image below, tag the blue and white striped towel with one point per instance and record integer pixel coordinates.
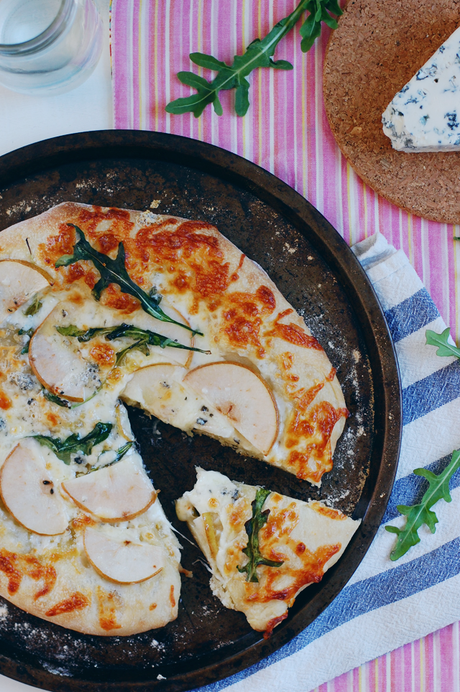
(387, 604)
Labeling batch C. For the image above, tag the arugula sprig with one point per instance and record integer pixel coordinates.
(420, 514)
(74, 444)
(253, 526)
(259, 53)
(442, 342)
(143, 338)
(113, 271)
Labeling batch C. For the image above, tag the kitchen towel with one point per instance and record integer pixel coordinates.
(385, 604)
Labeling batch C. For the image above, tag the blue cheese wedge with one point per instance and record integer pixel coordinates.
(425, 115)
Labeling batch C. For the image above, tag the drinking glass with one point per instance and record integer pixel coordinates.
(48, 46)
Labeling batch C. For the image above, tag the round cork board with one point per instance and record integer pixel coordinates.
(377, 48)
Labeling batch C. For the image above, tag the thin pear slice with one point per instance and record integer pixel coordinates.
(115, 493)
(242, 396)
(29, 493)
(58, 365)
(153, 387)
(121, 560)
(158, 389)
(18, 282)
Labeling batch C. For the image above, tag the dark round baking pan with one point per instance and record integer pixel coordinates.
(319, 275)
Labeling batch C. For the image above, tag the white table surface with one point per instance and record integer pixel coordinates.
(28, 119)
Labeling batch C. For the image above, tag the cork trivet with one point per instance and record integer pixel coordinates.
(376, 49)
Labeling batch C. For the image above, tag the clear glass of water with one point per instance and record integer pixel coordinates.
(48, 46)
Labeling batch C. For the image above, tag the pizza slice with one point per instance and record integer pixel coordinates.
(263, 548)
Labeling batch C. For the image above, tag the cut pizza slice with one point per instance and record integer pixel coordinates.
(263, 548)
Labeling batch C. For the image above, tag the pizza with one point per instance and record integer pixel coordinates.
(100, 306)
(263, 548)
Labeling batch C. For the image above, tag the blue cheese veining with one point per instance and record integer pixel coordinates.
(425, 115)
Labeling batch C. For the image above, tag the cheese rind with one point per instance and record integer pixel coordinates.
(425, 115)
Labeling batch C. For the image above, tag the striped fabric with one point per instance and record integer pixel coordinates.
(386, 604)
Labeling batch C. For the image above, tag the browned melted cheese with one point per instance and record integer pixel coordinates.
(300, 565)
(77, 601)
(328, 511)
(273, 623)
(243, 318)
(5, 401)
(292, 333)
(107, 603)
(103, 354)
(309, 430)
(15, 567)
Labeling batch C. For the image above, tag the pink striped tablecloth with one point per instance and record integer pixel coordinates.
(285, 132)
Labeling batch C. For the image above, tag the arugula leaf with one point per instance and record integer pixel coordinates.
(25, 332)
(121, 451)
(55, 399)
(113, 271)
(259, 53)
(422, 513)
(319, 12)
(82, 334)
(33, 307)
(253, 527)
(144, 338)
(73, 444)
(442, 341)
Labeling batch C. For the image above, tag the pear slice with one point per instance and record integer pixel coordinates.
(115, 493)
(242, 396)
(29, 493)
(120, 560)
(153, 387)
(18, 282)
(158, 389)
(58, 364)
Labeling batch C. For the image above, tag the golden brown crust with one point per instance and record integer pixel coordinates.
(375, 51)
